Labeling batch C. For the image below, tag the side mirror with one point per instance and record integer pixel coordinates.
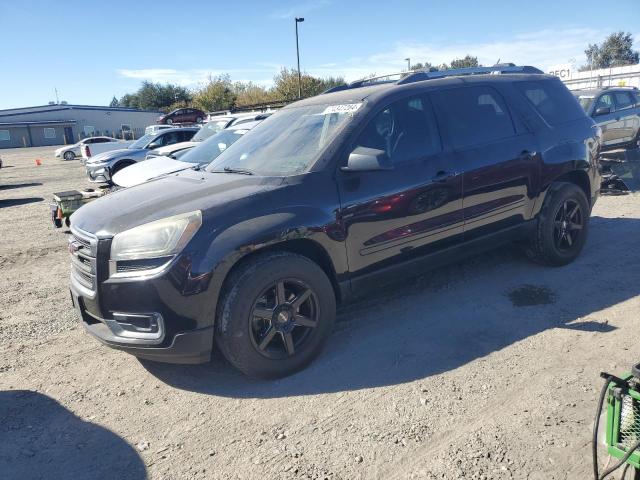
(602, 111)
(154, 145)
(364, 159)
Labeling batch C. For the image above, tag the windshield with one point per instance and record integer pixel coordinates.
(585, 102)
(208, 129)
(288, 142)
(212, 147)
(142, 141)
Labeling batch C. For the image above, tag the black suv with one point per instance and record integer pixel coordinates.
(333, 194)
(616, 110)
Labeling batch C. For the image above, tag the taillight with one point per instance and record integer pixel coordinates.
(87, 151)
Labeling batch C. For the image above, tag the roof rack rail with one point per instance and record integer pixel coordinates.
(628, 87)
(421, 75)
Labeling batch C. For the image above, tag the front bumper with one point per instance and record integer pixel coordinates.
(166, 344)
(98, 173)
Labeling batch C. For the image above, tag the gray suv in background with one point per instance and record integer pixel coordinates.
(617, 111)
(102, 167)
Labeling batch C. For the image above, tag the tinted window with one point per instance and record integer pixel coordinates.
(406, 130)
(186, 135)
(623, 100)
(605, 101)
(552, 100)
(170, 138)
(475, 115)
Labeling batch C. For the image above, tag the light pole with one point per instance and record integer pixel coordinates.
(408, 63)
(298, 20)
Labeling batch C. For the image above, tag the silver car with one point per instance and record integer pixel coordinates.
(101, 167)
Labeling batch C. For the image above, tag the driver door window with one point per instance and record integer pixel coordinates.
(605, 101)
(406, 130)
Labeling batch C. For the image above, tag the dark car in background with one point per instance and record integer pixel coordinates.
(617, 111)
(182, 115)
(327, 198)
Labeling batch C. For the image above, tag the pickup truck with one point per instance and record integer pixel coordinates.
(87, 151)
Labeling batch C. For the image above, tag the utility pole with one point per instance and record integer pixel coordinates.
(408, 64)
(298, 20)
(57, 101)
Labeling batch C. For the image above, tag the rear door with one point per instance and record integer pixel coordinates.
(498, 156)
(415, 208)
(608, 122)
(627, 116)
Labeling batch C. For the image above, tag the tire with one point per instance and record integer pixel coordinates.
(69, 155)
(255, 315)
(562, 227)
(169, 121)
(198, 119)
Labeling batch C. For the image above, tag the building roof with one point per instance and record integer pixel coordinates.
(59, 107)
(35, 123)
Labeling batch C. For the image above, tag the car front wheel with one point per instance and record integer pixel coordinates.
(275, 315)
(562, 226)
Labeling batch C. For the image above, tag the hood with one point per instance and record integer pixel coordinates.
(111, 154)
(185, 192)
(143, 171)
(175, 147)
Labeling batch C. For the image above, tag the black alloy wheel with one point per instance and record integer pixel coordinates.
(283, 318)
(568, 225)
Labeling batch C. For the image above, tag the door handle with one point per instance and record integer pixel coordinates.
(443, 176)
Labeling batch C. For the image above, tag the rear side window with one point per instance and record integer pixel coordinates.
(475, 115)
(623, 100)
(552, 100)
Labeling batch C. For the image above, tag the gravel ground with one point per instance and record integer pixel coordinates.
(481, 370)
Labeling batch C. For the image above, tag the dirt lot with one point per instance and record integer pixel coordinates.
(483, 370)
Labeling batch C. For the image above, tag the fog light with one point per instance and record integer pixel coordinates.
(139, 322)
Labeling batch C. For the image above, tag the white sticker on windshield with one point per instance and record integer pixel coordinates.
(344, 108)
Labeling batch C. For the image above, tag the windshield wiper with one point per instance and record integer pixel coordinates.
(242, 171)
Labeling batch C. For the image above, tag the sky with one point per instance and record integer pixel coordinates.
(90, 51)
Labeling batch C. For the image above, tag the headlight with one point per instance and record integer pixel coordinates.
(156, 239)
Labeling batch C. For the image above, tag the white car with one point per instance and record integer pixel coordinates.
(197, 157)
(207, 130)
(69, 152)
(153, 129)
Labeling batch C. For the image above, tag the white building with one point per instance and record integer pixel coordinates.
(627, 76)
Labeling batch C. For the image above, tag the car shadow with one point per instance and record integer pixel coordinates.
(39, 438)
(14, 202)
(19, 185)
(445, 319)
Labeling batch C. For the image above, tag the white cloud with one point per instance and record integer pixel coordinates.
(190, 77)
(299, 10)
(541, 48)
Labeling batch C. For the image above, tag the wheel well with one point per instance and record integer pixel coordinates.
(579, 178)
(307, 248)
(122, 164)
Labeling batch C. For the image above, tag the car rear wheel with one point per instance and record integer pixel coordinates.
(69, 155)
(199, 120)
(169, 121)
(275, 315)
(563, 224)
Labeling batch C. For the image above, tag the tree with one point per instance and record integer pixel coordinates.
(424, 66)
(216, 94)
(466, 62)
(114, 102)
(286, 84)
(615, 51)
(154, 96)
(248, 93)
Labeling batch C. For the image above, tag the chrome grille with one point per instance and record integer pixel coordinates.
(83, 248)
